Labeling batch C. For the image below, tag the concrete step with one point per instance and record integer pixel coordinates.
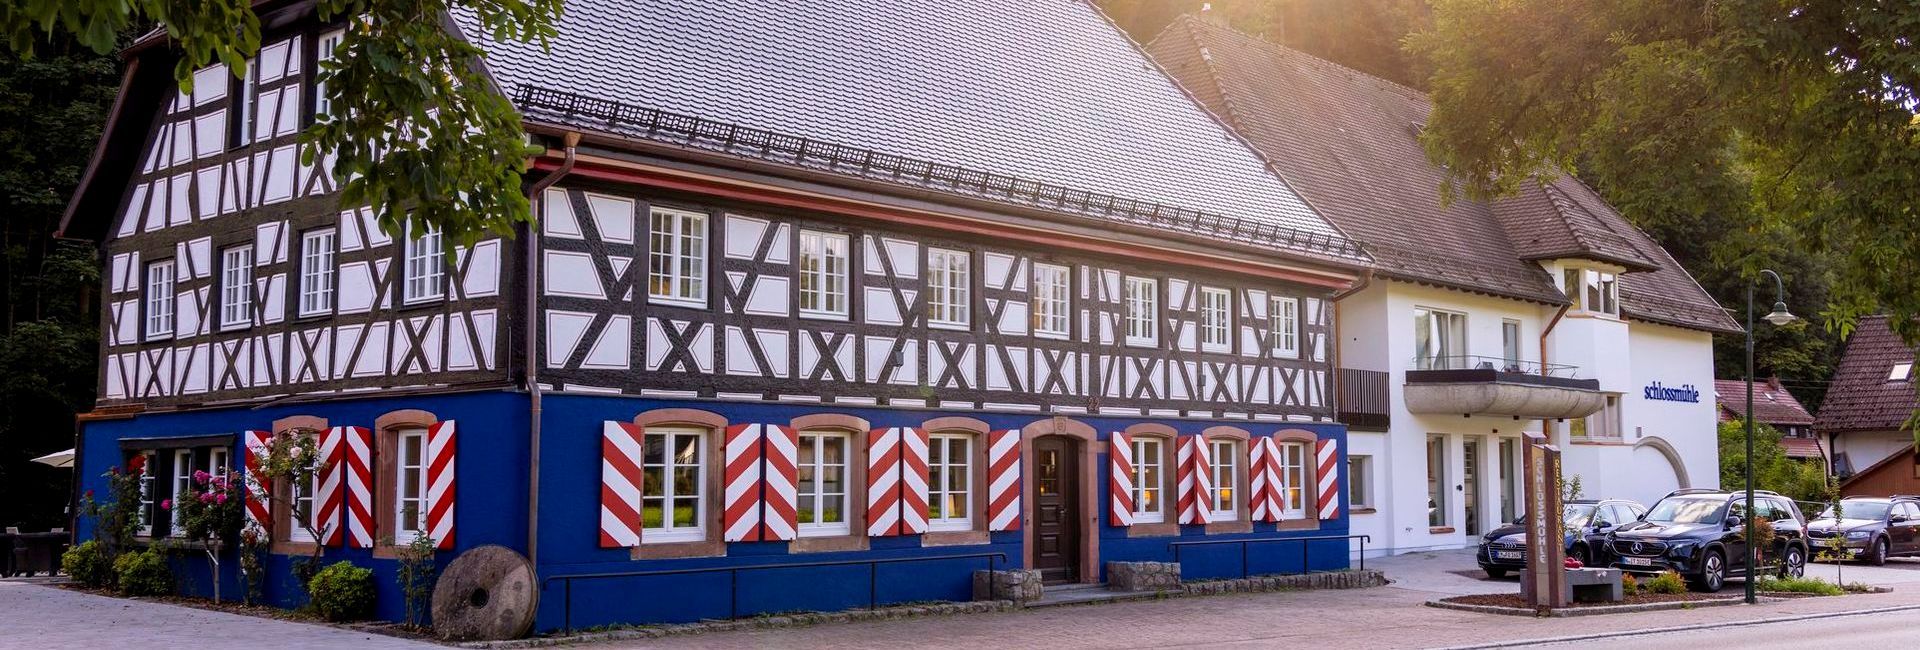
(1078, 594)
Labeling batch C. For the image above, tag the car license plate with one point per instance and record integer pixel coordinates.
(1638, 561)
(1506, 555)
(1824, 542)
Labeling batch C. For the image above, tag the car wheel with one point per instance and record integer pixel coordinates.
(1713, 572)
(1494, 573)
(1794, 565)
(1580, 553)
(1878, 556)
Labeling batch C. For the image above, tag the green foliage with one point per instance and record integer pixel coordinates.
(1629, 585)
(143, 573)
(1667, 582)
(415, 576)
(1813, 586)
(213, 507)
(88, 564)
(117, 520)
(1772, 469)
(419, 131)
(1789, 126)
(342, 592)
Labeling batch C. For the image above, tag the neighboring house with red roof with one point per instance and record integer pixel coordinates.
(1482, 320)
(1773, 406)
(1864, 418)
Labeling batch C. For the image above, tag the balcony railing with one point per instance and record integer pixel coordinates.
(1496, 364)
(1364, 399)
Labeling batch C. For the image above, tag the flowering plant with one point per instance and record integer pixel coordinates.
(211, 511)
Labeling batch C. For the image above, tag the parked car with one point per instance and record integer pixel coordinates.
(1587, 522)
(1869, 529)
(1701, 534)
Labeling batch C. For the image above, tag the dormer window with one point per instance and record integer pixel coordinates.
(1901, 372)
(1593, 291)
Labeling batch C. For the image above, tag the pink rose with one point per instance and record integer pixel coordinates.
(166, 504)
(199, 476)
(206, 497)
(220, 498)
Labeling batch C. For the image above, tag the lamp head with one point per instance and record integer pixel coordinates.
(1780, 315)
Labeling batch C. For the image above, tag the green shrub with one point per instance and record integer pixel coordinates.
(88, 564)
(143, 573)
(342, 592)
(1666, 583)
(1629, 585)
(1813, 586)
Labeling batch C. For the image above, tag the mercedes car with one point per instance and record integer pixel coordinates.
(1701, 534)
(1586, 521)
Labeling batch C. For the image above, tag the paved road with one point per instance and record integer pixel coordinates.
(40, 616)
(1886, 630)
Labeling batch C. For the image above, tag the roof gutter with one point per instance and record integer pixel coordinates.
(528, 355)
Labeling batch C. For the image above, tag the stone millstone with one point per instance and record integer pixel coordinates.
(486, 594)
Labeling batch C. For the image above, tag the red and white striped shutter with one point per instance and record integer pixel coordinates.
(359, 475)
(440, 485)
(883, 482)
(1120, 487)
(1329, 474)
(1264, 469)
(781, 517)
(330, 498)
(740, 515)
(1003, 480)
(1196, 481)
(259, 485)
(913, 481)
(621, 446)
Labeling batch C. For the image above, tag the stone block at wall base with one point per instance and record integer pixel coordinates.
(1143, 576)
(1017, 585)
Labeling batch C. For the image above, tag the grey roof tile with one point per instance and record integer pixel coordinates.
(1042, 90)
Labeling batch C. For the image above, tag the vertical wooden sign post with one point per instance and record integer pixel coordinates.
(1541, 584)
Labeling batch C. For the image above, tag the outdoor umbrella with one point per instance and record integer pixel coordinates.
(57, 459)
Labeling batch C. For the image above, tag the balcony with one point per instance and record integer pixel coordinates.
(1470, 385)
(1363, 399)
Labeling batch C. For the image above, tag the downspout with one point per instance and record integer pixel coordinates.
(532, 358)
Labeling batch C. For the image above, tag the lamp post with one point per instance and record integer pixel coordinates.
(1780, 316)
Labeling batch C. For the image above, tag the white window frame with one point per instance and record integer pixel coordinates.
(1442, 354)
(1902, 371)
(1293, 480)
(217, 461)
(160, 288)
(1142, 488)
(147, 510)
(1283, 315)
(1607, 424)
(236, 286)
(323, 51)
(949, 289)
(317, 273)
(677, 257)
(1052, 301)
(1216, 320)
(937, 473)
(1439, 483)
(404, 532)
(1142, 313)
(1359, 481)
(182, 484)
(297, 494)
(1225, 468)
(824, 286)
(1586, 286)
(425, 267)
(1510, 344)
(667, 532)
(817, 442)
(246, 104)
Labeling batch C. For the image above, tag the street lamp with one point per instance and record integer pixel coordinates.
(1780, 316)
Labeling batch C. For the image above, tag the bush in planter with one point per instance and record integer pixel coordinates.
(143, 573)
(1666, 583)
(342, 592)
(88, 564)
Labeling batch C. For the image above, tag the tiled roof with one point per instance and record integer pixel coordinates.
(1349, 142)
(1044, 91)
(1772, 403)
(1801, 448)
(1862, 397)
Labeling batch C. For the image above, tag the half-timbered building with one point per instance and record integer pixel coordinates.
(952, 285)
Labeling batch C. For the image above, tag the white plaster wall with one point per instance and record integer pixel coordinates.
(1864, 448)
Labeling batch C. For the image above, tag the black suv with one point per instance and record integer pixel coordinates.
(1701, 534)
(1586, 522)
(1871, 529)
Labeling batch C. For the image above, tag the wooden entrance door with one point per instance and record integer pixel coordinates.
(1056, 509)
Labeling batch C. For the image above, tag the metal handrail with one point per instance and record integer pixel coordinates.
(1482, 362)
(733, 578)
(1306, 550)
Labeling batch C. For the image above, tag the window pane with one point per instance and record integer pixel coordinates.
(686, 480)
(651, 512)
(653, 481)
(686, 512)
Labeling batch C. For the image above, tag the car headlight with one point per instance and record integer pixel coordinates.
(1681, 547)
(1859, 534)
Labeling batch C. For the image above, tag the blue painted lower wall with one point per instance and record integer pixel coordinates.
(492, 509)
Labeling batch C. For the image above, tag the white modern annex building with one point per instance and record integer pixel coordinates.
(1482, 320)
